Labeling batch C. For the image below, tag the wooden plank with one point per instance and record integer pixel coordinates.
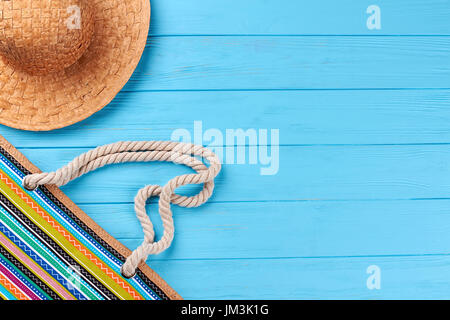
(305, 172)
(302, 117)
(315, 62)
(297, 17)
(290, 229)
(265, 69)
(422, 277)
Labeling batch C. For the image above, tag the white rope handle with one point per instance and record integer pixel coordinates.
(144, 151)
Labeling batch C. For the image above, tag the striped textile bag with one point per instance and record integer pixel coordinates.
(50, 249)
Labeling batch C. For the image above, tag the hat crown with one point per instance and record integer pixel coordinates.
(45, 36)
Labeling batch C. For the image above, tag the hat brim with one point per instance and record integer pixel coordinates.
(42, 103)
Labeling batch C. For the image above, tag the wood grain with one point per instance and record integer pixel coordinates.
(299, 229)
(293, 62)
(409, 277)
(303, 117)
(327, 17)
(306, 173)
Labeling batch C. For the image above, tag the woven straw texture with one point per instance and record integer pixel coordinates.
(51, 76)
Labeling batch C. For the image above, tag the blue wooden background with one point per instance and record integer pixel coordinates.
(364, 120)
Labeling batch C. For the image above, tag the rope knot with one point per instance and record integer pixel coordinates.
(144, 151)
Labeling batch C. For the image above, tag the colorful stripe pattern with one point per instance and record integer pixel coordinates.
(48, 253)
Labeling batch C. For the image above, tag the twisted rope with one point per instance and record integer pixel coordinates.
(144, 151)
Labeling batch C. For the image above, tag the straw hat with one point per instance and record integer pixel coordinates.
(63, 60)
